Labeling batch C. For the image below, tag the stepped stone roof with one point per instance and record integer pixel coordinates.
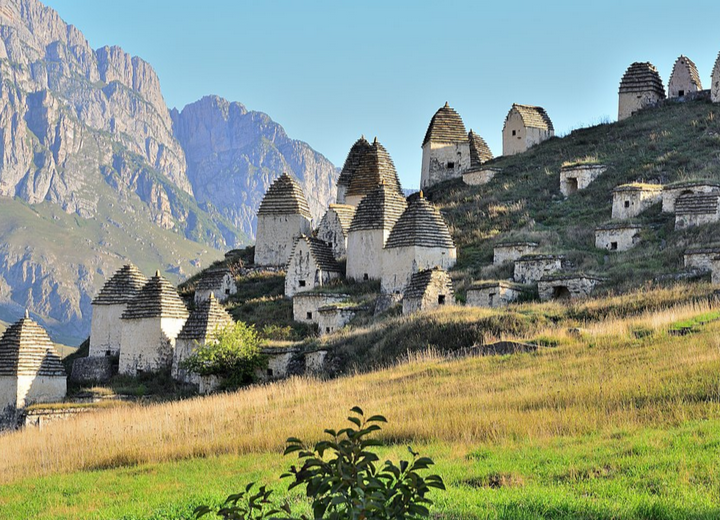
(352, 162)
(517, 243)
(697, 204)
(208, 317)
(420, 225)
(689, 65)
(642, 77)
(212, 278)
(26, 350)
(122, 287)
(690, 184)
(284, 197)
(420, 281)
(321, 253)
(380, 209)
(446, 126)
(479, 150)
(157, 299)
(533, 117)
(345, 215)
(375, 167)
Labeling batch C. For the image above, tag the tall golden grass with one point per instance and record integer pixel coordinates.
(604, 378)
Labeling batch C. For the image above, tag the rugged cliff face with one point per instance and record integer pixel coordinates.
(233, 155)
(87, 142)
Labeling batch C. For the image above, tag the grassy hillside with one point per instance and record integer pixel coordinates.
(619, 419)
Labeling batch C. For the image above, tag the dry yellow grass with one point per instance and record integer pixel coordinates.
(604, 379)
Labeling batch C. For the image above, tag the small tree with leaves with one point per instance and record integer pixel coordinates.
(344, 480)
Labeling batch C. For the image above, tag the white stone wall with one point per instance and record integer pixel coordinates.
(184, 348)
(303, 273)
(365, 254)
(716, 272)
(532, 270)
(630, 203)
(631, 102)
(700, 260)
(315, 362)
(330, 231)
(222, 292)
(105, 330)
(430, 299)
(570, 288)
(400, 263)
(278, 364)
(479, 177)
(578, 178)
(524, 138)
(670, 194)
(334, 318)
(40, 389)
(511, 252)
(341, 194)
(695, 219)
(8, 394)
(620, 239)
(495, 296)
(681, 83)
(305, 306)
(436, 161)
(276, 236)
(148, 344)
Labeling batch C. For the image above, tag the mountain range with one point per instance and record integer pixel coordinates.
(95, 170)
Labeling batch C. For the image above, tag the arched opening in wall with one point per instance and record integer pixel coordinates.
(491, 299)
(561, 292)
(572, 185)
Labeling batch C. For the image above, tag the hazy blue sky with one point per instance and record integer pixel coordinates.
(329, 71)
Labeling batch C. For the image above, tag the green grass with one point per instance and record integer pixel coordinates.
(650, 473)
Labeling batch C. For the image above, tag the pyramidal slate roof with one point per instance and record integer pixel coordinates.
(26, 350)
(345, 215)
(212, 278)
(352, 162)
(446, 126)
(689, 65)
(375, 167)
(122, 287)
(479, 150)
(697, 204)
(321, 253)
(284, 197)
(420, 225)
(380, 209)
(533, 117)
(158, 298)
(207, 318)
(642, 77)
(420, 281)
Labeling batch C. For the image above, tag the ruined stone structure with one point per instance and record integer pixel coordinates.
(150, 326)
(577, 177)
(283, 216)
(375, 217)
(334, 228)
(696, 209)
(525, 126)
(618, 236)
(419, 240)
(566, 287)
(108, 307)
(640, 87)
(684, 78)
(701, 258)
(208, 318)
(427, 290)
(494, 294)
(334, 317)
(480, 176)
(375, 166)
(30, 370)
(218, 281)
(311, 265)
(352, 163)
(531, 268)
(306, 305)
(511, 251)
(671, 192)
(446, 148)
(715, 84)
(629, 200)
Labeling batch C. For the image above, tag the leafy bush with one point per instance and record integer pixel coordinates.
(233, 354)
(344, 481)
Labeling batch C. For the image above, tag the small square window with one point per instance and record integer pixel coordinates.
(227, 292)
(627, 203)
(441, 299)
(681, 93)
(301, 283)
(327, 330)
(270, 372)
(308, 315)
(613, 246)
(366, 277)
(451, 166)
(514, 133)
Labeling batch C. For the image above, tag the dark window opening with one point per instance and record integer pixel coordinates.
(309, 315)
(108, 353)
(451, 166)
(627, 203)
(269, 372)
(366, 277)
(327, 330)
(572, 185)
(441, 299)
(301, 283)
(227, 291)
(613, 246)
(561, 293)
(514, 133)
(681, 93)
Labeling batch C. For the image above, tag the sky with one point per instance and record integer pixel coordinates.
(329, 71)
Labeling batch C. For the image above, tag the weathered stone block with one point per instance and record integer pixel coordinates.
(494, 294)
(531, 268)
(94, 369)
(511, 251)
(566, 287)
(578, 177)
(629, 200)
(617, 237)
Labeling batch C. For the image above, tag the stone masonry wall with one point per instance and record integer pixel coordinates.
(530, 270)
(400, 263)
(148, 344)
(670, 194)
(365, 254)
(620, 239)
(436, 158)
(630, 203)
(510, 252)
(492, 296)
(105, 330)
(276, 236)
(578, 178)
(306, 306)
(579, 287)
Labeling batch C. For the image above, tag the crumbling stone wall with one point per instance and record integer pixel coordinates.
(570, 287)
(672, 192)
(579, 177)
(307, 305)
(531, 268)
(443, 161)
(511, 251)
(701, 258)
(493, 294)
(334, 317)
(276, 236)
(148, 344)
(631, 200)
(94, 369)
(330, 231)
(480, 177)
(617, 238)
(435, 296)
(303, 273)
